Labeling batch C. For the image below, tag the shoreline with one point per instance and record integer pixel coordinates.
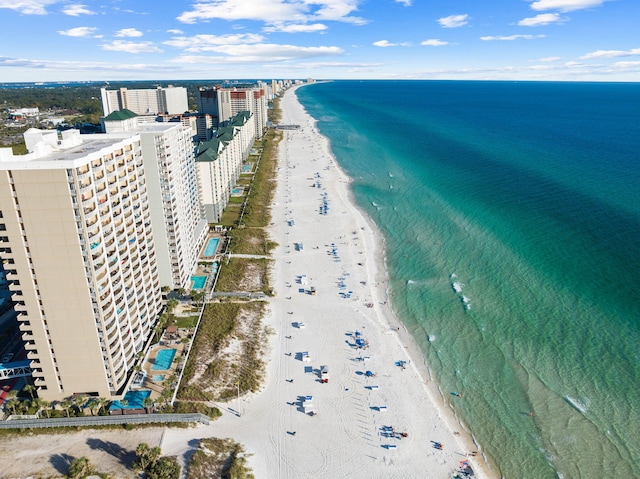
(418, 360)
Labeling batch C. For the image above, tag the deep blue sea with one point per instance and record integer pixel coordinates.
(511, 212)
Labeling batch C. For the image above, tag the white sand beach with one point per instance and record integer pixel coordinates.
(354, 423)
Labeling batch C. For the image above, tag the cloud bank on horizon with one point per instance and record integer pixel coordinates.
(63, 40)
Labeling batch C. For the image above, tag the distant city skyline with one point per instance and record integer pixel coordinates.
(581, 40)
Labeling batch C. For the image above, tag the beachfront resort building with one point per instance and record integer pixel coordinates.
(147, 101)
(224, 103)
(179, 229)
(232, 101)
(219, 163)
(80, 255)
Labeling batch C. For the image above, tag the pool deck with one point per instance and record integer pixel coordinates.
(168, 341)
(221, 241)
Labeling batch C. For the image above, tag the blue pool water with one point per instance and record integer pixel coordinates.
(237, 191)
(158, 378)
(247, 168)
(212, 247)
(134, 400)
(164, 359)
(198, 281)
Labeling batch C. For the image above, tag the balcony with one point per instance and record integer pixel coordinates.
(84, 173)
(86, 191)
(101, 186)
(105, 294)
(33, 354)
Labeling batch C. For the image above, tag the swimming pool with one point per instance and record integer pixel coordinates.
(246, 168)
(198, 282)
(158, 378)
(212, 247)
(163, 359)
(237, 191)
(134, 400)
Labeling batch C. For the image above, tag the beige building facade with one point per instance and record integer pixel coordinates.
(78, 245)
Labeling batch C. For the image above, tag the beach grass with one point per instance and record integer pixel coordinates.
(244, 275)
(227, 353)
(219, 458)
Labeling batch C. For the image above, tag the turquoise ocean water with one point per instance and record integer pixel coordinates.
(511, 213)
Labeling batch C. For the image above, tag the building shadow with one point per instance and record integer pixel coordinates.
(126, 457)
(193, 447)
(61, 462)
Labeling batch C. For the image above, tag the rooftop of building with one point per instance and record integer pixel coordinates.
(68, 150)
(120, 115)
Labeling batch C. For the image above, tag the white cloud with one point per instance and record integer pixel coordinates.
(128, 33)
(542, 19)
(386, 43)
(307, 65)
(434, 42)
(78, 32)
(296, 28)
(77, 10)
(28, 7)
(611, 53)
(454, 21)
(625, 65)
(175, 31)
(259, 53)
(206, 42)
(511, 37)
(273, 11)
(550, 59)
(406, 3)
(565, 5)
(131, 47)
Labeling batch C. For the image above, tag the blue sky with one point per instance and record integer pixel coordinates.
(60, 40)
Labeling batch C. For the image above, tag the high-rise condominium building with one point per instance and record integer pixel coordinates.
(180, 231)
(231, 101)
(208, 103)
(80, 252)
(219, 163)
(172, 100)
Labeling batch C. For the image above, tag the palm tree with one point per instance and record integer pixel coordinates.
(146, 456)
(142, 454)
(157, 332)
(172, 303)
(46, 405)
(102, 402)
(147, 403)
(124, 403)
(80, 467)
(92, 404)
(66, 405)
(31, 389)
(197, 296)
(78, 402)
(11, 405)
(36, 404)
(165, 395)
